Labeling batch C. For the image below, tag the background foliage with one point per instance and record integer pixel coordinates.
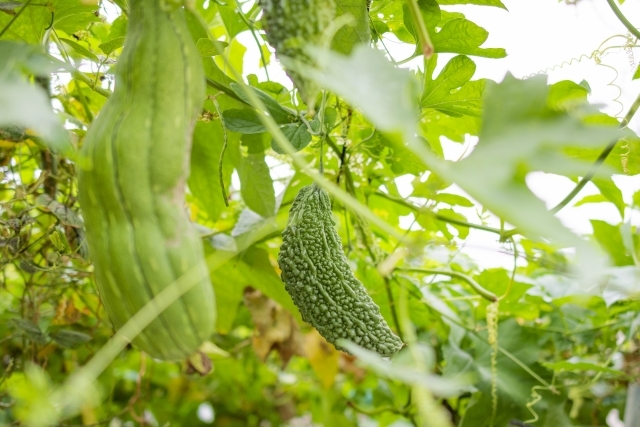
(559, 348)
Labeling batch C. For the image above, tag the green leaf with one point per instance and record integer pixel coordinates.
(398, 370)
(522, 131)
(431, 14)
(252, 268)
(297, 134)
(66, 15)
(636, 75)
(32, 390)
(65, 214)
(279, 113)
(581, 366)
(204, 180)
(593, 198)
(354, 33)
(610, 239)
(243, 121)
(453, 200)
(81, 50)
(69, 338)
(452, 92)
(208, 47)
(30, 330)
(212, 71)
(257, 185)
(566, 94)
(112, 45)
(609, 190)
(465, 37)
(391, 106)
(232, 20)
(10, 7)
(25, 105)
(494, 3)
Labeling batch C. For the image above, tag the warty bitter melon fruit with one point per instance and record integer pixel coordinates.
(131, 179)
(290, 25)
(318, 278)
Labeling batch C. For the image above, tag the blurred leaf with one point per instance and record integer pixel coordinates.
(610, 239)
(323, 358)
(23, 104)
(622, 284)
(65, 215)
(69, 338)
(32, 392)
(403, 373)
(30, 330)
(276, 329)
(581, 366)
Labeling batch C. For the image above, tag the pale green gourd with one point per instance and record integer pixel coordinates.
(131, 180)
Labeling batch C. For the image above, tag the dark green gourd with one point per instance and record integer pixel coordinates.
(291, 25)
(318, 278)
(131, 180)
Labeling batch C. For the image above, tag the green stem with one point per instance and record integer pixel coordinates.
(421, 29)
(376, 411)
(224, 149)
(15, 17)
(227, 91)
(392, 306)
(81, 98)
(252, 28)
(614, 7)
(489, 296)
(437, 216)
(79, 75)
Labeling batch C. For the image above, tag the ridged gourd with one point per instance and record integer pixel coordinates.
(291, 25)
(316, 274)
(132, 176)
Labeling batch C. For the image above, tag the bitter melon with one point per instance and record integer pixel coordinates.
(291, 25)
(131, 180)
(318, 278)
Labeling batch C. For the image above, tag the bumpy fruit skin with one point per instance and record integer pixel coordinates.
(318, 278)
(290, 26)
(131, 180)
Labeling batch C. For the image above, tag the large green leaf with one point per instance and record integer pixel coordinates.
(256, 184)
(66, 15)
(452, 92)
(357, 32)
(204, 180)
